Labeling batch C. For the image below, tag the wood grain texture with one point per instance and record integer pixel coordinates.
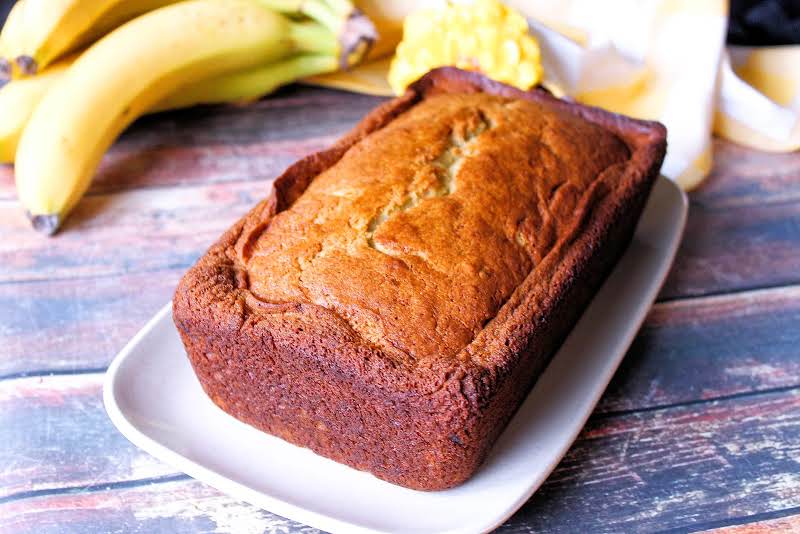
(221, 143)
(682, 466)
(711, 347)
(687, 354)
(734, 248)
(56, 434)
(175, 507)
(687, 350)
(162, 181)
(742, 176)
(68, 325)
(136, 231)
(678, 468)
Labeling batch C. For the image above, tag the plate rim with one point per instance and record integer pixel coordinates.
(281, 507)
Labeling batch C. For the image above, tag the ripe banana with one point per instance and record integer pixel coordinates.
(126, 74)
(20, 97)
(40, 31)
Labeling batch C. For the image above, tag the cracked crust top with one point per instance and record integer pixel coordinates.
(422, 231)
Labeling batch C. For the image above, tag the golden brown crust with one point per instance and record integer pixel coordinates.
(419, 233)
(411, 383)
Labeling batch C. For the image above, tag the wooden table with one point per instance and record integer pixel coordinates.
(699, 429)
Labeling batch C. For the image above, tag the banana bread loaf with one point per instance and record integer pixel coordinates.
(395, 298)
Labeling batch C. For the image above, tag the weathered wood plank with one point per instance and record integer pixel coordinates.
(215, 144)
(743, 176)
(679, 467)
(56, 434)
(736, 248)
(710, 347)
(781, 525)
(737, 237)
(136, 231)
(64, 325)
(184, 506)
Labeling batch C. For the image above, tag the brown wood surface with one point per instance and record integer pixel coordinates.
(700, 428)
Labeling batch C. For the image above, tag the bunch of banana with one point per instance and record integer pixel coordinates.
(38, 32)
(152, 55)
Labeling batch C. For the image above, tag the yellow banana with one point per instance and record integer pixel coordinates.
(19, 98)
(39, 31)
(127, 73)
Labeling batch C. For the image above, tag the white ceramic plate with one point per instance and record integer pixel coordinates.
(153, 397)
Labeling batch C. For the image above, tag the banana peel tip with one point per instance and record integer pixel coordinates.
(46, 224)
(356, 38)
(5, 71)
(27, 65)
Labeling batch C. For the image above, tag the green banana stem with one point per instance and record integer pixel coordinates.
(314, 9)
(341, 7)
(27, 65)
(251, 84)
(353, 30)
(321, 13)
(287, 7)
(313, 37)
(356, 38)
